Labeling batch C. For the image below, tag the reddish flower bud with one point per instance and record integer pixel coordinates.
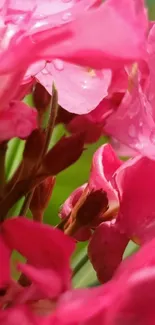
(66, 151)
(83, 218)
(95, 204)
(41, 98)
(64, 116)
(41, 197)
(33, 149)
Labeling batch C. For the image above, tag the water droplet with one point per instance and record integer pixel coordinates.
(44, 71)
(58, 64)
(66, 16)
(132, 131)
(139, 145)
(152, 136)
(140, 123)
(84, 84)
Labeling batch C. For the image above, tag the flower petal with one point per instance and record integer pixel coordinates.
(46, 280)
(4, 264)
(17, 120)
(133, 123)
(106, 249)
(79, 89)
(42, 245)
(123, 43)
(104, 165)
(135, 181)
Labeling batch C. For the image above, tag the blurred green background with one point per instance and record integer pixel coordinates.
(66, 182)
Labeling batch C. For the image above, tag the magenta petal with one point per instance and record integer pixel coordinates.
(135, 181)
(69, 204)
(121, 149)
(17, 120)
(10, 83)
(46, 280)
(17, 315)
(123, 37)
(133, 289)
(133, 123)
(4, 264)
(80, 90)
(106, 249)
(82, 304)
(104, 165)
(42, 245)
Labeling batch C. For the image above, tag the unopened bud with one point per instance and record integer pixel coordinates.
(41, 197)
(66, 152)
(33, 149)
(95, 204)
(41, 98)
(64, 116)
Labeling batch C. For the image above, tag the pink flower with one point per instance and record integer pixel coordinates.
(124, 42)
(133, 289)
(48, 253)
(104, 165)
(89, 86)
(135, 183)
(133, 123)
(133, 214)
(17, 120)
(25, 29)
(80, 88)
(127, 299)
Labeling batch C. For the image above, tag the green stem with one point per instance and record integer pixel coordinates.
(26, 203)
(52, 118)
(80, 264)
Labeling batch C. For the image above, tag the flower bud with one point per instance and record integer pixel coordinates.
(41, 98)
(33, 149)
(66, 151)
(95, 204)
(41, 197)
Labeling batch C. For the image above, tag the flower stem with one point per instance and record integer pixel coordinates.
(52, 118)
(26, 203)
(82, 262)
(49, 132)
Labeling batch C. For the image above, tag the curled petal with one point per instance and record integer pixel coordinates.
(104, 165)
(106, 249)
(71, 201)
